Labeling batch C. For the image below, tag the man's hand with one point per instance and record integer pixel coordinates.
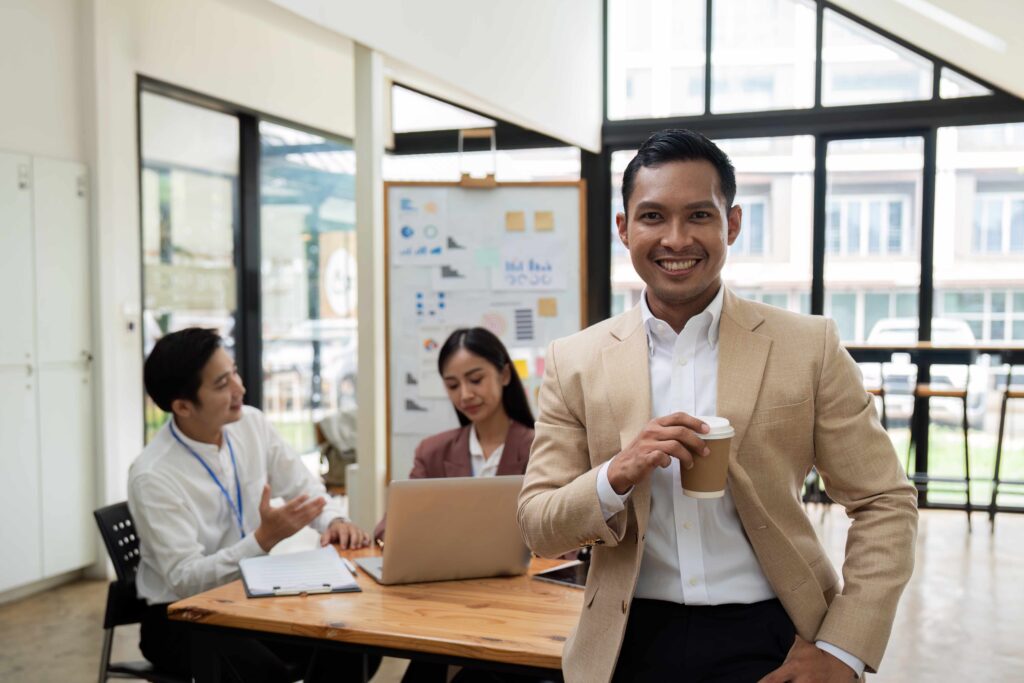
(807, 663)
(664, 438)
(344, 535)
(277, 524)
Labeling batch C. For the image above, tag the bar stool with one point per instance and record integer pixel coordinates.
(1008, 395)
(929, 391)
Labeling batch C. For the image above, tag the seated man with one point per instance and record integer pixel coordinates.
(200, 495)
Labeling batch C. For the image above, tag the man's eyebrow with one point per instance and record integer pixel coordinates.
(702, 204)
(647, 204)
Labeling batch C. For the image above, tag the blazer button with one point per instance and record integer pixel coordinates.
(624, 606)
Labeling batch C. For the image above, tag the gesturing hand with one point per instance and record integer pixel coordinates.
(277, 524)
(345, 535)
(807, 663)
(664, 438)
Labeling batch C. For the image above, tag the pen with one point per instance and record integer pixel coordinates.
(351, 567)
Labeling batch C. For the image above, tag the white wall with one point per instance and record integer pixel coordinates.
(535, 63)
(40, 76)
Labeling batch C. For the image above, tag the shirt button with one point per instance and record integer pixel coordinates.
(694, 581)
(682, 361)
(686, 525)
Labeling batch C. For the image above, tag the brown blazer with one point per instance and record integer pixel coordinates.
(447, 455)
(795, 399)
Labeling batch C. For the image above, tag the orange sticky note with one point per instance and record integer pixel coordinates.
(547, 307)
(515, 221)
(522, 368)
(543, 221)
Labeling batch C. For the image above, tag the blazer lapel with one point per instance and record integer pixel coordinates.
(742, 356)
(626, 367)
(456, 460)
(513, 454)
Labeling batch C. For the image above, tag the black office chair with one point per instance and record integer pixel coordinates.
(123, 605)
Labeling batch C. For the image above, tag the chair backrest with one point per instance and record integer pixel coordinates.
(118, 531)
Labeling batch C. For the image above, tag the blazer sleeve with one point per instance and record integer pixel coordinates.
(559, 509)
(419, 471)
(861, 471)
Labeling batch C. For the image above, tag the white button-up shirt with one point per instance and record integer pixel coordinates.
(696, 551)
(189, 534)
(483, 467)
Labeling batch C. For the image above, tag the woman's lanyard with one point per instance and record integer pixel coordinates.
(237, 509)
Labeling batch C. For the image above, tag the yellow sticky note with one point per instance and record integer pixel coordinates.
(547, 307)
(522, 368)
(543, 221)
(515, 221)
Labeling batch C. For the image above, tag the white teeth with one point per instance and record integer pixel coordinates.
(678, 265)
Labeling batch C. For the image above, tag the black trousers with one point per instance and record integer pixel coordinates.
(665, 641)
(165, 643)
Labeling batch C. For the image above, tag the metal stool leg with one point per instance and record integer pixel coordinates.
(967, 466)
(999, 459)
(108, 641)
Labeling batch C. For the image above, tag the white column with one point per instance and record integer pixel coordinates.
(366, 493)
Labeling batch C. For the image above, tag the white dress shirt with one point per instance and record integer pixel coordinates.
(483, 467)
(188, 533)
(696, 551)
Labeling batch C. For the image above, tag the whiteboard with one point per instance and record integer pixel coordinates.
(508, 258)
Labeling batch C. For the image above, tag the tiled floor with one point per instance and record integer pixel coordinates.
(961, 618)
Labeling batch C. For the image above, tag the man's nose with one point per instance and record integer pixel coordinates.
(677, 236)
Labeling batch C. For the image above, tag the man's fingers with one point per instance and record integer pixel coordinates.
(780, 675)
(690, 440)
(325, 538)
(265, 498)
(657, 458)
(683, 420)
(295, 502)
(345, 537)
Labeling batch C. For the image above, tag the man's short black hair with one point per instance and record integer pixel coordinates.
(677, 144)
(174, 368)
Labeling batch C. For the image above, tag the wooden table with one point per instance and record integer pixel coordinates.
(515, 624)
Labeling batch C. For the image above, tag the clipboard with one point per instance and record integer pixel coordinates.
(312, 571)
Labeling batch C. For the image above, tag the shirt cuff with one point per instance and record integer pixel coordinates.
(843, 656)
(248, 547)
(611, 503)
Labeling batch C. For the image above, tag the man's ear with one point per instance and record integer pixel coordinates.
(181, 407)
(620, 223)
(735, 220)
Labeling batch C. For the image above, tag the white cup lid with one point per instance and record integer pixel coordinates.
(719, 427)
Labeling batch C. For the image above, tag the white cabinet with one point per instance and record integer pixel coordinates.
(47, 453)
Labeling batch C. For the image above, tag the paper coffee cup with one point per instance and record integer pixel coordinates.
(706, 479)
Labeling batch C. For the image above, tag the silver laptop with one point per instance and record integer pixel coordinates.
(454, 528)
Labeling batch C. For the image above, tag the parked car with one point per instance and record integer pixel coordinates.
(901, 374)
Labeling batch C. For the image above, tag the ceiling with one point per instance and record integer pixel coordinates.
(984, 38)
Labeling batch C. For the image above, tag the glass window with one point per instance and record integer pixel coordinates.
(843, 309)
(190, 202)
(979, 200)
(873, 223)
(656, 58)
(308, 278)
(953, 84)
(860, 66)
(762, 55)
(775, 180)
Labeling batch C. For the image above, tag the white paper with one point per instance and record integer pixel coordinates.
(419, 227)
(431, 339)
(313, 571)
(531, 263)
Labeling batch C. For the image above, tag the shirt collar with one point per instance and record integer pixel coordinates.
(202, 448)
(474, 443)
(714, 310)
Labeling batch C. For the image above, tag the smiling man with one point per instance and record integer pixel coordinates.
(736, 588)
(200, 496)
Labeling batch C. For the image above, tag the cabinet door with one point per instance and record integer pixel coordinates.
(17, 289)
(68, 467)
(20, 528)
(61, 220)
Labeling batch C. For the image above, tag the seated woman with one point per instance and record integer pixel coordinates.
(489, 400)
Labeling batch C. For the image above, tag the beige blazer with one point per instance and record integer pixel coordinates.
(796, 399)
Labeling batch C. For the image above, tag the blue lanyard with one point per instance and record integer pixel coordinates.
(237, 509)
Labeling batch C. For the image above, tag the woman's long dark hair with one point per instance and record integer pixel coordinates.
(483, 343)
